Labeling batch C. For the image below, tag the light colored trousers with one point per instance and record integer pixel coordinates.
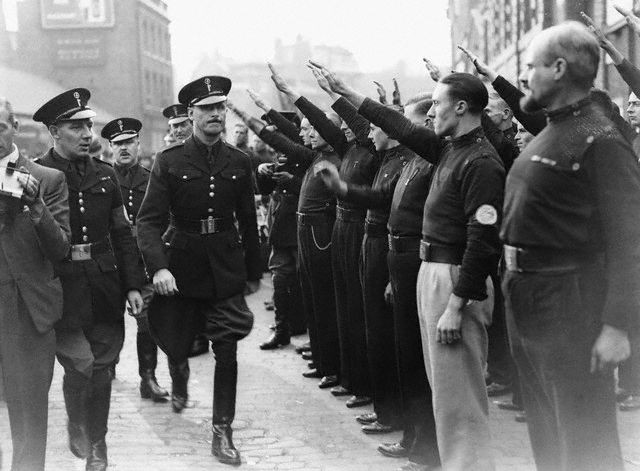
(456, 371)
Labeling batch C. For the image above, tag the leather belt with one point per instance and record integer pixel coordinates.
(206, 226)
(436, 253)
(81, 252)
(313, 219)
(544, 260)
(375, 229)
(404, 244)
(349, 215)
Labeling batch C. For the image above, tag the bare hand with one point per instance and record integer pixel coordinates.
(336, 83)
(265, 169)
(434, 72)
(282, 177)
(632, 20)
(481, 67)
(611, 347)
(449, 326)
(320, 79)
(388, 294)
(279, 82)
(252, 286)
(397, 99)
(134, 299)
(30, 186)
(164, 283)
(603, 42)
(258, 100)
(382, 93)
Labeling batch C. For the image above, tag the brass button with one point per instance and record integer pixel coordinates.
(212, 186)
(81, 209)
(85, 238)
(210, 210)
(80, 201)
(184, 177)
(80, 194)
(84, 229)
(211, 194)
(211, 178)
(130, 203)
(284, 191)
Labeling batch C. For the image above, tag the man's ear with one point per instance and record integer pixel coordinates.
(190, 113)
(16, 125)
(461, 107)
(560, 68)
(53, 130)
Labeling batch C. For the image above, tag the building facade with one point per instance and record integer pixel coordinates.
(118, 49)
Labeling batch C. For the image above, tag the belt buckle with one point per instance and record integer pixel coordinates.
(80, 252)
(424, 250)
(208, 226)
(511, 258)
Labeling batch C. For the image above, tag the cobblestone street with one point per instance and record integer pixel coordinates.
(283, 420)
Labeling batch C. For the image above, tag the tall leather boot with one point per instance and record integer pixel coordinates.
(179, 380)
(75, 388)
(147, 362)
(224, 402)
(280, 335)
(98, 418)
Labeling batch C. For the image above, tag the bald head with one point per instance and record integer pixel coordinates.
(576, 45)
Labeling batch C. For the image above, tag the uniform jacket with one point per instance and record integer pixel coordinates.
(94, 289)
(133, 185)
(31, 242)
(184, 184)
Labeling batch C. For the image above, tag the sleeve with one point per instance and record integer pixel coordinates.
(534, 122)
(325, 127)
(248, 227)
(50, 216)
(265, 184)
(631, 75)
(296, 153)
(613, 170)
(354, 120)
(285, 126)
(482, 188)
(419, 139)
(152, 218)
(293, 186)
(507, 150)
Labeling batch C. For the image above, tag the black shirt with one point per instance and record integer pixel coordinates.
(576, 187)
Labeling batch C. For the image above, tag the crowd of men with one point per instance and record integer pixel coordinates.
(436, 252)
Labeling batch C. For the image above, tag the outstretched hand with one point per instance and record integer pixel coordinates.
(336, 83)
(258, 100)
(280, 83)
(481, 67)
(382, 93)
(322, 81)
(434, 72)
(632, 20)
(603, 41)
(397, 99)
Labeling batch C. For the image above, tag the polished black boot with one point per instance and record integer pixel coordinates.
(179, 380)
(147, 362)
(97, 459)
(222, 445)
(98, 418)
(75, 388)
(150, 389)
(280, 336)
(276, 340)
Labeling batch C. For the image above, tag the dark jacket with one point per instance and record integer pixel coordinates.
(95, 289)
(186, 186)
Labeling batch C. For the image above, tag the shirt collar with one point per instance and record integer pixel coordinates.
(574, 109)
(12, 157)
(476, 134)
(204, 149)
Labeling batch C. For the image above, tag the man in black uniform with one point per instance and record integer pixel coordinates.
(123, 136)
(179, 123)
(571, 236)
(101, 268)
(204, 186)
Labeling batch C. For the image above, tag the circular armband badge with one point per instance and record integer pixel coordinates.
(486, 215)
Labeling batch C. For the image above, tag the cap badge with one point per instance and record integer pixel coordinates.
(207, 82)
(76, 95)
(120, 124)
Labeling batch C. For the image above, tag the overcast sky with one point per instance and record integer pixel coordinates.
(378, 32)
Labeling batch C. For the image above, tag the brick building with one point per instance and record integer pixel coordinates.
(118, 49)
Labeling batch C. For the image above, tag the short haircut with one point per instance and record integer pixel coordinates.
(495, 97)
(6, 105)
(466, 87)
(573, 42)
(422, 102)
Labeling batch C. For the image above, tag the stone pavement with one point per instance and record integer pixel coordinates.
(283, 421)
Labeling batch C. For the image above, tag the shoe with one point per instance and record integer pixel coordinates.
(222, 445)
(376, 428)
(312, 374)
(97, 459)
(277, 339)
(521, 417)
(340, 391)
(78, 440)
(179, 403)
(393, 450)
(367, 418)
(328, 382)
(630, 403)
(411, 466)
(149, 389)
(312, 365)
(307, 356)
(358, 401)
(497, 389)
(305, 347)
(507, 405)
